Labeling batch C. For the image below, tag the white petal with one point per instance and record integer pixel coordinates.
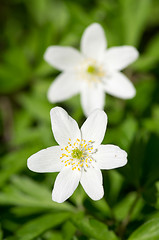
(94, 127)
(64, 86)
(63, 126)
(65, 184)
(92, 97)
(117, 58)
(118, 85)
(110, 156)
(63, 58)
(92, 184)
(93, 41)
(46, 160)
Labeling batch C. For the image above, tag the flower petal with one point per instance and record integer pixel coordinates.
(92, 97)
(94, 127)
(63, 58)
(110, 156)
(118, 85)
(46, 160)
(63, 126)
(92, 184)
(64, 86)
(117, 58)
(65, 184)
(93, 41)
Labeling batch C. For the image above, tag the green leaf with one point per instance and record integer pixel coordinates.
(151, 123)
(157, 188)
(1, 234)
(31, 104)
(41, 224)
(128, 130)
(133, 27)
(14, 162)
(149, 230)
(32, 195)
(145, 88)
(121, 210)
(52, 236)
(68, 230)
(116, 183)
(14, 71)
(79, 14)
(37, 10)
(94, 229)
(150, 56)
(102, 206)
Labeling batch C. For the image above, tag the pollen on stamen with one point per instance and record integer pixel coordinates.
(79, 154)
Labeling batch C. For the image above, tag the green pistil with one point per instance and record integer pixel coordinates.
(91, 69)
(76, 153)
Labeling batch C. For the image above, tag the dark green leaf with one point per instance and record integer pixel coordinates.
(149, 230)
(39, 225)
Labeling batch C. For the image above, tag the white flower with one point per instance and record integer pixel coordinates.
(79, 157)
(92, 72)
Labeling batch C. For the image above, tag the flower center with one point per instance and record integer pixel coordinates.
(78, 155)
(91, 71)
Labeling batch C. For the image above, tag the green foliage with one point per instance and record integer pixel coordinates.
(93, 228)
(35, 227)
(129, 209)
(149, 230)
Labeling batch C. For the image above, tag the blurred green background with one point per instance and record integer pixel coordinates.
(129, 209)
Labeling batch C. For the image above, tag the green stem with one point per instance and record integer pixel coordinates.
(122, 227)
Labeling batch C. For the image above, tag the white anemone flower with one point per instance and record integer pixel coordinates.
(92, 72)
(79, 156)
